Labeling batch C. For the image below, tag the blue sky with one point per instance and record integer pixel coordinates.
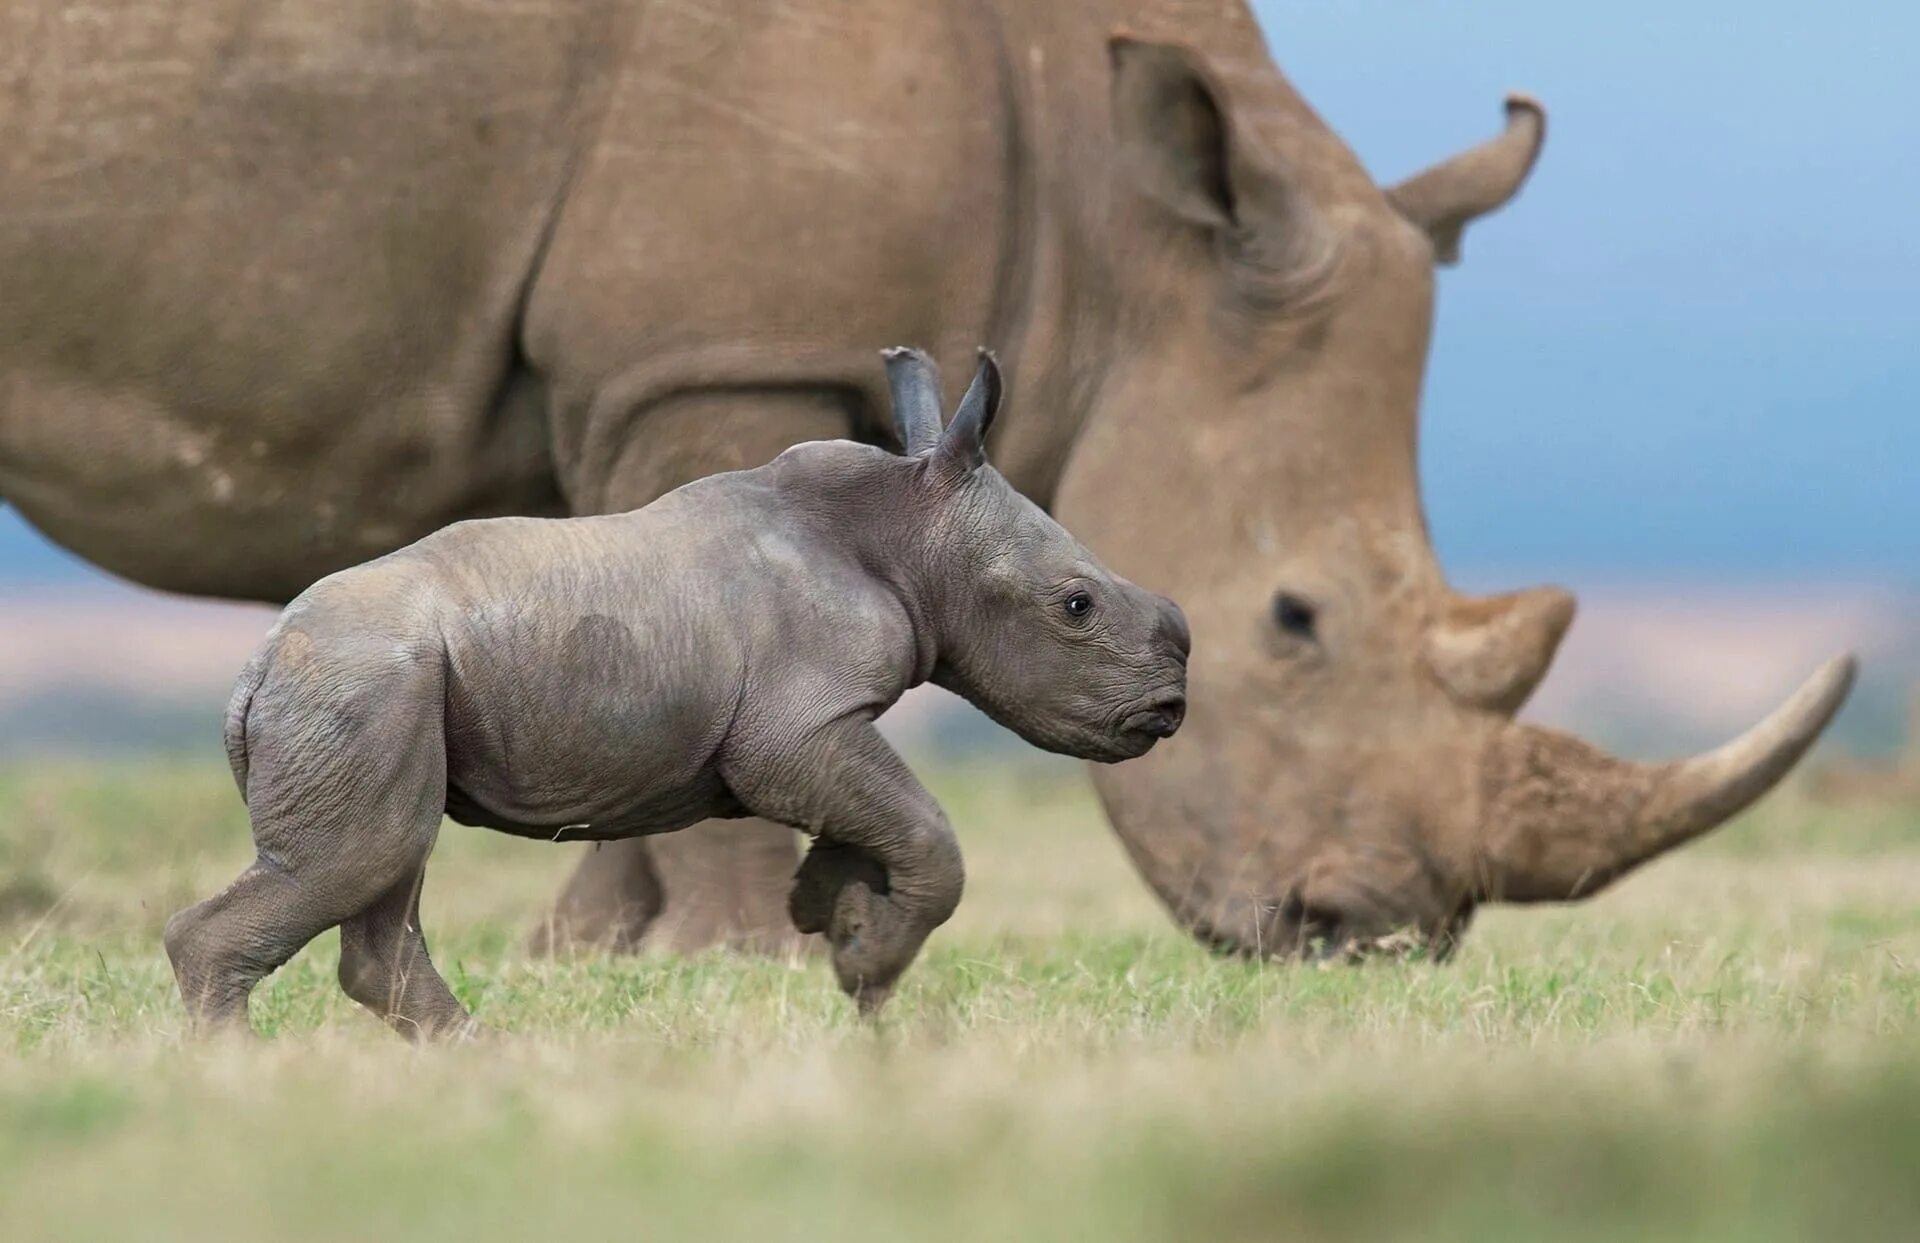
(1691, 350)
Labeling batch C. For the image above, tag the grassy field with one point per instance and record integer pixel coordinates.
(1728, 1047)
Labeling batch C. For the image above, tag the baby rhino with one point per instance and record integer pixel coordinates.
(722, 652)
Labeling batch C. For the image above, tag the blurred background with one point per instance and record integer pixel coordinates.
(1676, 376)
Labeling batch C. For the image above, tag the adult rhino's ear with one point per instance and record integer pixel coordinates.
(1170, 122)
(965, 443)
(915, 381)
(1444, 199)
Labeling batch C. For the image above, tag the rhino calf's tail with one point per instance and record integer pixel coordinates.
(234, 731)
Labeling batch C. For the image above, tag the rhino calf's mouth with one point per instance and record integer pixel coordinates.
(1162, 720)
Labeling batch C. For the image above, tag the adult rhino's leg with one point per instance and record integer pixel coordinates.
(608, 903)
(726, 883)
(721, 882)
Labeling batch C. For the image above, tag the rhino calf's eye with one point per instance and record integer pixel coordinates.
(1078, 605)
(1293, 615)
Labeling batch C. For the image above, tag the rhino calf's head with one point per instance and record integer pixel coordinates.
(1035, 631)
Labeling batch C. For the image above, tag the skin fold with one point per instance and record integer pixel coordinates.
(718, 653)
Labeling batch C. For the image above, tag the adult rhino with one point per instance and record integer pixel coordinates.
(286, 286)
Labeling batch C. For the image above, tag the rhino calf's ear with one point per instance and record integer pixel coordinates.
(965, 442)
(915, 382)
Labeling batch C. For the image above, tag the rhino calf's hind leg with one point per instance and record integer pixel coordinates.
(224, 946)
(384, 966)
(342, 834)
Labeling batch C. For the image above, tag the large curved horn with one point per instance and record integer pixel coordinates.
(1442, 199)
(1563, 819)
(1491, 652)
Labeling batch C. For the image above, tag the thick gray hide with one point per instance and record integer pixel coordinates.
(721, 652)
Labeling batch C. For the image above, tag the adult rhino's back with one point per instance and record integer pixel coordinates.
(260, 268)
(284, 287)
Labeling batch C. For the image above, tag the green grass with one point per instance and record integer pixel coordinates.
(1724, 1048)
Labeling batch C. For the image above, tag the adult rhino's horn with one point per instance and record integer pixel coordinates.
(1444, 198)
(1491, 652)
(1562, 819)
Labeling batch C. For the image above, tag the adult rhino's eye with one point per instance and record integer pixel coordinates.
(1078, 605)
(1293, 615)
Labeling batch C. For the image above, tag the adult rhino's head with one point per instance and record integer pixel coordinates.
(1032, 628)
(1349, 768)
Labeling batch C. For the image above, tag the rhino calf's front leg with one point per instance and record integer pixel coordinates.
(885, 870)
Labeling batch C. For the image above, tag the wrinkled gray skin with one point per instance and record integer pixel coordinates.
(721, 652)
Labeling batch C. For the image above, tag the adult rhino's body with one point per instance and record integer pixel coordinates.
(286, 286)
